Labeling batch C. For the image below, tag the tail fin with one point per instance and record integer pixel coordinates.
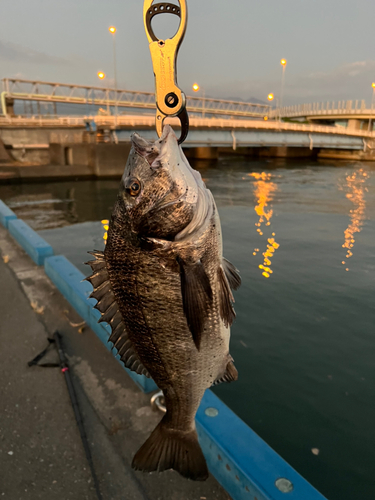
(171, 449)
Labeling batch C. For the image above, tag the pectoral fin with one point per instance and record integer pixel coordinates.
(232, 274)
(196, 296)
(227, 313)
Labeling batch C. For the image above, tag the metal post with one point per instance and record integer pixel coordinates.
(282, 90)
(115, 73)
(87, 102)
(37, 102)
(204, 102)
(372, 110)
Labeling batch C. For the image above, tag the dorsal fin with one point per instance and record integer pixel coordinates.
(226, 299)
(107, 306)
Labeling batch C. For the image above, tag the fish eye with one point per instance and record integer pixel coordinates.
(133, 186)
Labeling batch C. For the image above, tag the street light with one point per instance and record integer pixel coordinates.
(113, 30)
(271, 97)
(196, 88)
(101, 76)
(283, 64)
(372, 107)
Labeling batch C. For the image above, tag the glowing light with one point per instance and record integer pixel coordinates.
(356, 189)
(105, 223)
(373, 85)
(196, 87)
(264, 191)
(265, 118)
(112, 29)
(101, 75)
(283, 62)
(270, 97)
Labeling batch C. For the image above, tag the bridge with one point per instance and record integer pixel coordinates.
(355, 113)
(208, 134)
(214, 123)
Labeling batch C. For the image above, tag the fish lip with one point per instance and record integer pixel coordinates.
(150, 151)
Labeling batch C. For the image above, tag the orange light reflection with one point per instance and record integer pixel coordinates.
(105, 223)
(355, 186)
(264, 191)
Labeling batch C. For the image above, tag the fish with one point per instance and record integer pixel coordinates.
(165, 289)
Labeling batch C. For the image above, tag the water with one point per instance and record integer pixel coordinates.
(302, 235)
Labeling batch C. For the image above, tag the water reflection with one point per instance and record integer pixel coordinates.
(355, 186)
(45, 210)
(264, 192)
(105, 223)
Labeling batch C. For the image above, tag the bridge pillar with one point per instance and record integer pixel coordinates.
(202, 153)
(354, 124)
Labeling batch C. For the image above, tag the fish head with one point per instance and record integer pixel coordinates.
(159, 190)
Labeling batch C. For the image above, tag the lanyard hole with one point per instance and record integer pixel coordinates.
(163, 23)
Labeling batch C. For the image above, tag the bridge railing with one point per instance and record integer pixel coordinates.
(53, 93)
(327, 108)
(148, 121)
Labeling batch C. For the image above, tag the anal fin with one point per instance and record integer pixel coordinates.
(230, 374)
(232, 274)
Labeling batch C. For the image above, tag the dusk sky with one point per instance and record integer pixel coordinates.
(232, 47)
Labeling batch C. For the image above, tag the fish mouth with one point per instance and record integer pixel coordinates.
(150, 151)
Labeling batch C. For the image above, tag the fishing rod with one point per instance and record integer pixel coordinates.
(77, 413)
(57, 340)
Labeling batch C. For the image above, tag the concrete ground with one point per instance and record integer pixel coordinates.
(41, 454)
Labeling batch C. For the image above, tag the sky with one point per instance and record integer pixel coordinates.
(232, 48)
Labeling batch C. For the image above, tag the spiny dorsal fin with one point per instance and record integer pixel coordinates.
(232, 274)
(196, 296)
(227, 313)
(230, 374)
(107, 306)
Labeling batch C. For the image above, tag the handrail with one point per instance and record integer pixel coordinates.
(195, 123)
(329, 109)
(53, 92)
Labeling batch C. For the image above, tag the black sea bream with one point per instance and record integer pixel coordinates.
(165, 289)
